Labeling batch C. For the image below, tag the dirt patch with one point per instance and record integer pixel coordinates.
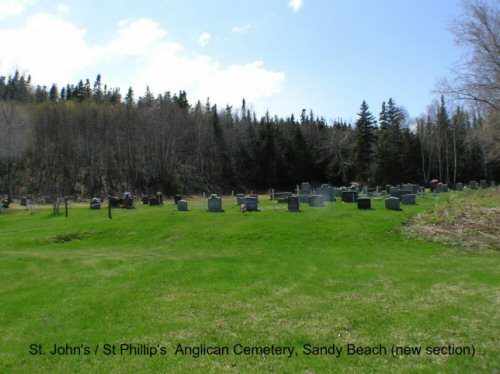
(471, 222)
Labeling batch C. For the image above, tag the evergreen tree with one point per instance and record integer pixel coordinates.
(365, 140)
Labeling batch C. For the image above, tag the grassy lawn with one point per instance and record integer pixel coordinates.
(156, 276)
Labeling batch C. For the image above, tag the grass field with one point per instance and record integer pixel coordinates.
(159, 277)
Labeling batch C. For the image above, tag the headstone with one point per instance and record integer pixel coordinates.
(177, 198)
(159, 195)
(421, 190)
(483, 183)
(442, 187)
(364, 191)
(255, 196)
(326, 192)
(459, 186)
(364, 203)
(145, 200)
(408, 199)
(315, 201)
(239, 198)
(392, 203)
(282, 195)
(492, 184)
(473, 185)
(182, 205)
(293, 204)
(305, 188)
(95, 203)
(5, 203)
(349, 196)
(215, 204)
(153, 201)
(251, 203)
(388, 188)
(128, 201)
(114, 202)
(24, 201)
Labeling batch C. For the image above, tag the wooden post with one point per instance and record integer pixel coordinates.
(66, 206)
(109, 208)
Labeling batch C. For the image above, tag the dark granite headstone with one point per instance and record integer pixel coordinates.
(473, 185)
(215, 204)
(182, 205)
(239, 198)
(408, 199)
(145, 200)
(114, 202)
(251, 203)
(154, 201)
(24, 201)
(315, 201)
(459, 186)
(293, 204)
(392, 203)
(483, 183)
(442, 187)
(364, 203)
(349, 196)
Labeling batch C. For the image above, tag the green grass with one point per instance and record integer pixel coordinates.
(326, 276)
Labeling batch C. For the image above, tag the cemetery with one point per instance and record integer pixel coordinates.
(214, 274)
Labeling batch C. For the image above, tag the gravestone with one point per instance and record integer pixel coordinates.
(364, 191)
(177, 198)
(95, 203)
(239, 198)
(293, 204)
(153, 201)
(473, 185)
(315, 201)
(349, 196)
(492, 184)
(215, 204)
(459, 187)
(128, 201)
(255, 196)
(392, 203)
(159, 195)
(24, 201)
(442, 187)
(364, 203)
(114, 202)
(305, 188)
(145, 200)
(251, 203)
(5, 203)
(408, 199)
(182, 205)
(483, 183)
(388, 188)
(326, 192)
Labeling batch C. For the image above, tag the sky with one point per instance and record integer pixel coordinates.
(280, 55)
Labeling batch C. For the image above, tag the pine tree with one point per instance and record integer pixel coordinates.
(365, 140)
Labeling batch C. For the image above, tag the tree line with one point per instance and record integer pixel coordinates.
(87, 139)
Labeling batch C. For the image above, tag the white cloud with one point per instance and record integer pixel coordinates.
(242, 29)
(139, 54)
(13, 7)
(295, 4)
(204, 39)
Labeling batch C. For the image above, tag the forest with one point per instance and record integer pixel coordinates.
(87, 139)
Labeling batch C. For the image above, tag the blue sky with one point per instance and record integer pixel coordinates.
(281, 55)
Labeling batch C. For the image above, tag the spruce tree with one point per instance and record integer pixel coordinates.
(365, 140)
